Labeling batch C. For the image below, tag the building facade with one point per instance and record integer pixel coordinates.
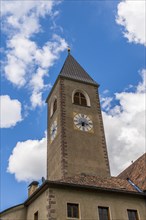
(79, 184)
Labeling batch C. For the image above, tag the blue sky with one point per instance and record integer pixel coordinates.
(108, 39)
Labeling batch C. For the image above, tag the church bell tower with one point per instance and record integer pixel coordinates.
(76, 140)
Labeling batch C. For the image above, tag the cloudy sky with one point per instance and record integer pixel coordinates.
(108, 39)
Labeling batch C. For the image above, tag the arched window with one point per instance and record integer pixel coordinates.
(53, 107)
(80, 99)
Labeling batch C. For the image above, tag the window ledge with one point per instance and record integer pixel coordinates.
(70, 218)
(82, 105)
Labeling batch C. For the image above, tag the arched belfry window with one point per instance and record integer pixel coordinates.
(80, 98)
(53, 107)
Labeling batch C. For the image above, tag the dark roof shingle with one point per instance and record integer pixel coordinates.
(111, 183)
(73, 70)
(135, 172)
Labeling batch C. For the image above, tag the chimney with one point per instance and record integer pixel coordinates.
(32, 187)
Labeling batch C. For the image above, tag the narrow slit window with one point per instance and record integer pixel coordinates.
(36, 216)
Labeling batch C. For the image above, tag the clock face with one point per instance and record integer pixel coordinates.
(83, 122)
(53, 130)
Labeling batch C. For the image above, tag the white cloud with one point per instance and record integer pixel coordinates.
(131, 15)
(36, 99)
(125, 127)
(27, 63)
(106, 102)
(10, 111)
(29, 8)
(28, 160)
(15, 70)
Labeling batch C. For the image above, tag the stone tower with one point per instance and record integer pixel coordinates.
(76, 140)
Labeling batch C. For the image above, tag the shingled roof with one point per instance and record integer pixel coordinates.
(120, 184)
(136, 172)
(88, 182)
(111, 183)
(73, 70)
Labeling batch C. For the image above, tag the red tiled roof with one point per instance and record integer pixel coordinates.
(136, 172)
(112, 183)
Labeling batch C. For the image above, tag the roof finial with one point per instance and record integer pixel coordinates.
(68, 49)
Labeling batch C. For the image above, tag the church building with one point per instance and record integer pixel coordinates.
(79, 185)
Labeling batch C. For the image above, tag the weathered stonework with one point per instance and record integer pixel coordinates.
(68, 153)
(51, 207)
(63, 144)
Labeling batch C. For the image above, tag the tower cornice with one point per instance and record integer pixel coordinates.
(75, 80)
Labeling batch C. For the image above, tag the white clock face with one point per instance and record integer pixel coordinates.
(83, 122)
(53, 130)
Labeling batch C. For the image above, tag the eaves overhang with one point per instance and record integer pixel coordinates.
(63, 185)
(12, 208)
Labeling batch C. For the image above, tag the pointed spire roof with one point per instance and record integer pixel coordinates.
(73, 70)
